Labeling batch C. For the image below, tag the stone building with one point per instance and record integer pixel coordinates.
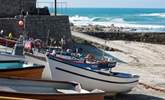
(11, 8)
(37, 21)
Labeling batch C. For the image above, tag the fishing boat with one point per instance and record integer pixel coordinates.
(4, 56)
(7, 42)
(16, 53)
(39, 58)
(20, 69)
(91, 74)
(13, 98)
(45, 90)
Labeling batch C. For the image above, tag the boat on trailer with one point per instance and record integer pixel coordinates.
(91, 75)
(45, 90)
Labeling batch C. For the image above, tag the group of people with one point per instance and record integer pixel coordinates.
(31, 45)
(10, 34)
(67, 52)
(77, 53)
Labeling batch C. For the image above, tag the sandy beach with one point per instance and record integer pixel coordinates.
(147, 61)
(144, 59)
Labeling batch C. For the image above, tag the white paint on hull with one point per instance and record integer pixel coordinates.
(46, 74)
(89, 83)
(9, 57)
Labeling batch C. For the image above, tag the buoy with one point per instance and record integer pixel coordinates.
(21, 23)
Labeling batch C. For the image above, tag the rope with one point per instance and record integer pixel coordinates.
(153, 87)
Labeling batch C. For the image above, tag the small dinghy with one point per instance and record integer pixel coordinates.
(20, 69)
(91, 74)
(45, 90)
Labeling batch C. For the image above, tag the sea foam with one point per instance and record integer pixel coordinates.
(154, 15)
(108, 21)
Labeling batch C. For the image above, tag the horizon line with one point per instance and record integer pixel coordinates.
(111, 7)
(121, 7)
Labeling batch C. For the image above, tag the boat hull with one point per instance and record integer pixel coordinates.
(40, 59)
(43, 90)
(6, 57)
(91, 80)
(56, 97)
(28, 72)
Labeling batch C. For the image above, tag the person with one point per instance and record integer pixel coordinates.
(63, 43)
(77, 53)
(90, 59)
(68, 52)
(53, 53)
(10, 36)
(1, 33)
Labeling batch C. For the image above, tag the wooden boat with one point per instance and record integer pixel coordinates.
(39, 58)
(13, 98)
(12, 54)
(4, 56)
(45, 90)
(7, 42)
(90, 75)
(19, 69)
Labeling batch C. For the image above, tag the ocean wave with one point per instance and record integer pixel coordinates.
(108, 21)
(118, 20)
(154, 15)
(77, 18)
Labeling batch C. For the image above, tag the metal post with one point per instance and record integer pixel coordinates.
(55, 7)
(47, 39)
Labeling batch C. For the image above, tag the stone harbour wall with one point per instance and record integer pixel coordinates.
(9, 25)
(11, 8)
(148, 37)
(52, 27)
(38, 23)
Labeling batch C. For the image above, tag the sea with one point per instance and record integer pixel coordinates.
(144, 19)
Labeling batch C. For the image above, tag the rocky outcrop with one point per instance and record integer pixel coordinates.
(149, 37)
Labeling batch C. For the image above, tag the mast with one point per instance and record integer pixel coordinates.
(103, 55)
(47, 39)
(55, 7)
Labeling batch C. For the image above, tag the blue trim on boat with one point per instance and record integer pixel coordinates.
(21, 69)
(11, 61)
(94, 78)
(86, 68)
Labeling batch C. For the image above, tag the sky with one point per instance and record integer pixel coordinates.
(112, 3)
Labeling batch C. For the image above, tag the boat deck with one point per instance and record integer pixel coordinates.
(35, 87)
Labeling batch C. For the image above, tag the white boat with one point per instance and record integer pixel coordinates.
(7, 56)
(45, 90)
(91, 78)
(39, 58)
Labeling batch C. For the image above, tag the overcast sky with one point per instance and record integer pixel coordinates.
(113, 3)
